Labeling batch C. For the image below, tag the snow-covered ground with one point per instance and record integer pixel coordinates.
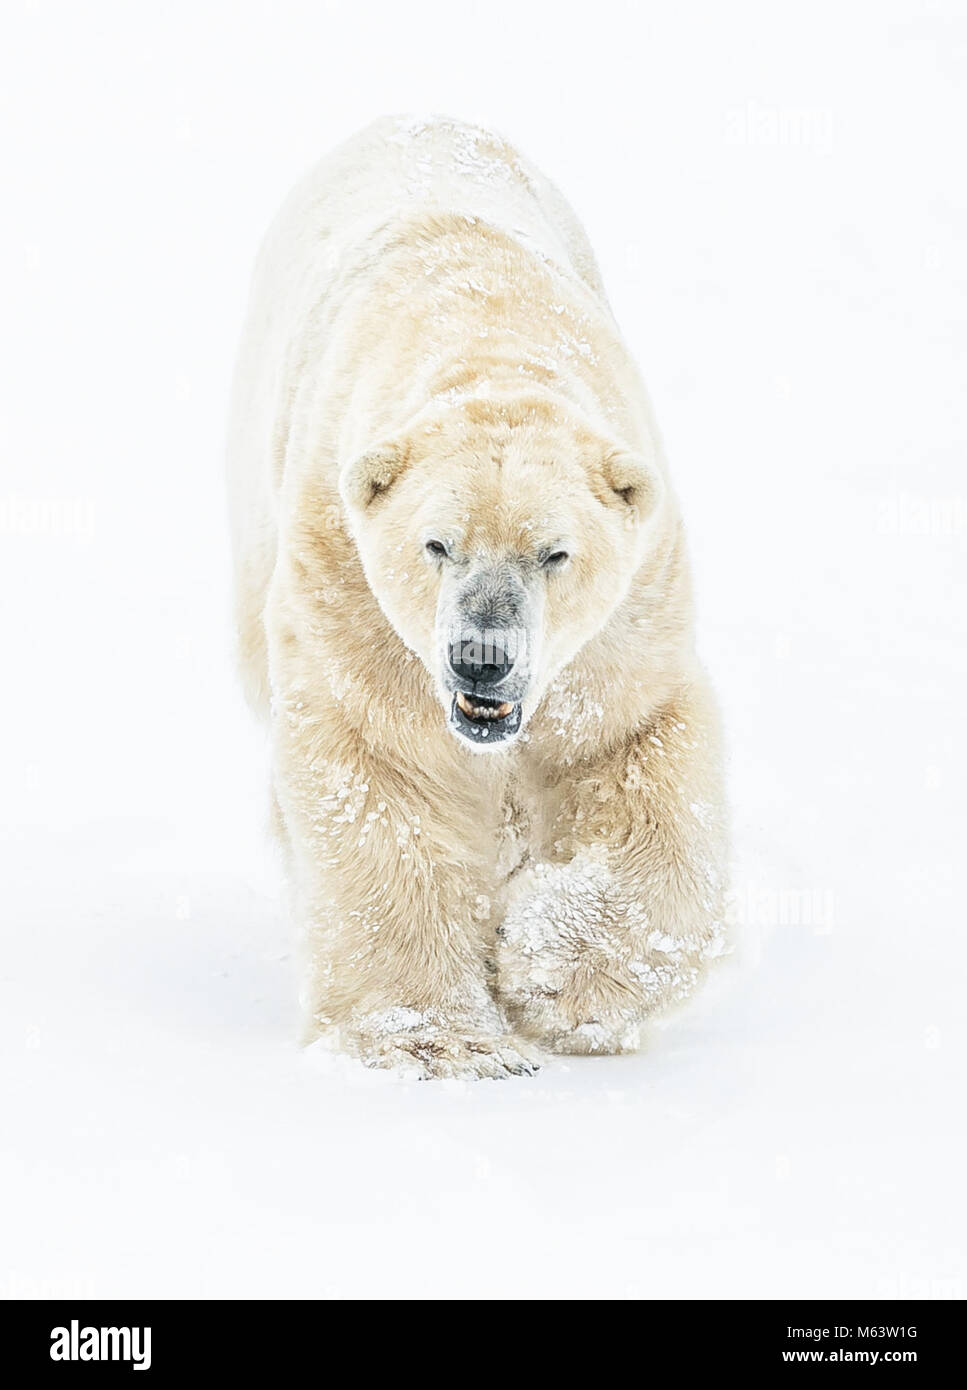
(777, 196)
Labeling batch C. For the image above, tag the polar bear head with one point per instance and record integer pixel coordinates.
(498, 538)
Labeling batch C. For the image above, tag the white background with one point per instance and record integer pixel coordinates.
(777, 197)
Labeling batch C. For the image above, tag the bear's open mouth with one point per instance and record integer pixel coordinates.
(478, 718)
(483, 709)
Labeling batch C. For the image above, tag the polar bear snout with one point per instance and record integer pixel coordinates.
(486, 626)
(488, 679)
(485, 659)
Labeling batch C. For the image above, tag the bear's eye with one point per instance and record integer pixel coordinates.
(437, 549)
(555, 559)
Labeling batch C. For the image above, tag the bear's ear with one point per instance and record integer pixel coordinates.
(374, 473)
(633, 481)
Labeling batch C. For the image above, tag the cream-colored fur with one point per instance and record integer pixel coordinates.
(429, 355)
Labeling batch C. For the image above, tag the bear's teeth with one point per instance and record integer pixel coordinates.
(483, 711)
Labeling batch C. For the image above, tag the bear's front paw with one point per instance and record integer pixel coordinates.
(417, 1046)
(575, 967)
(578, 1004)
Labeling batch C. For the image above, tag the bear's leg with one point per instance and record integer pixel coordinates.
(617, 921)
(396, 924)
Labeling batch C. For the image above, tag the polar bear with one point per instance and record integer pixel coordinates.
(463, 609)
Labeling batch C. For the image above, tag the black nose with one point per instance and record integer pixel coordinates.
(482, 662)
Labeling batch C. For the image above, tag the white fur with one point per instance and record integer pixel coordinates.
(429, 350)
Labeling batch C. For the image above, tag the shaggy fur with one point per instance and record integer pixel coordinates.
(429, 352)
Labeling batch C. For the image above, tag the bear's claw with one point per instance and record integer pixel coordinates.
(435, 1054)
